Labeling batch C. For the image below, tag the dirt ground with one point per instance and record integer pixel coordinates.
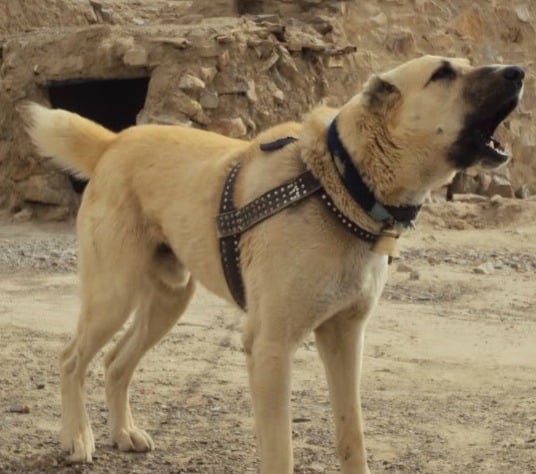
(449, 376)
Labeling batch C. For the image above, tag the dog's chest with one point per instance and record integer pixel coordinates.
(358, 283)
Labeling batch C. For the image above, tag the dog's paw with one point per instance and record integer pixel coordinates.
(80, 445)
(133, 439)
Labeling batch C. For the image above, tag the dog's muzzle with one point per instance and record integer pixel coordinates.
(494, 93)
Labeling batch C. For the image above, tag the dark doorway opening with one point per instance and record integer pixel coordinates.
(114, 103)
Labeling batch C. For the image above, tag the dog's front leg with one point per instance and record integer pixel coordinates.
(340, 345)
(268, 359)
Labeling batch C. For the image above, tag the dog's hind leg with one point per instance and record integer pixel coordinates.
(340, 345)
(112, 260)
(166, 293)
(104, 310)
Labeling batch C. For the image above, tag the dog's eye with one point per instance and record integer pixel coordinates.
(444, 72)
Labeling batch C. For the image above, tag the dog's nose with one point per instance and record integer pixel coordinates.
(513, 73)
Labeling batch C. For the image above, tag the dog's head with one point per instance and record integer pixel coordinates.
(434, 115)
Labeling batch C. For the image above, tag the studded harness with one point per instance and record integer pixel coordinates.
(232, 222)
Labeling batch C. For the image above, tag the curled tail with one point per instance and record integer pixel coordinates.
(73, 141)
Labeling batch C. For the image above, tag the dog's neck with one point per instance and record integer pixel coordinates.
(361, 192)
(396, 177)
(318, 159)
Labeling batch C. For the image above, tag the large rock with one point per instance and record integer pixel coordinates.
(500, 186)
(190, 82)
(185, 104)
(209, 100)
(265, 68)
(51, 189)
(233, 127)
(462, 183)
(468, 25)
(25, 15)
(522, 13)
(400, 42)
(136, 57)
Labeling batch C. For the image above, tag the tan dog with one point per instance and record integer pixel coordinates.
(155, 188)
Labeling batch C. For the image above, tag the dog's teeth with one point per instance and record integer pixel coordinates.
(496, 145)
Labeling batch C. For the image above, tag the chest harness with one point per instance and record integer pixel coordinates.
(232, 222)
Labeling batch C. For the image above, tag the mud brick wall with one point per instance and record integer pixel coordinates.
(236, 67)
(231, 75)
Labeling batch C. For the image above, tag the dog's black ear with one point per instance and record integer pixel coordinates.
(380, 95)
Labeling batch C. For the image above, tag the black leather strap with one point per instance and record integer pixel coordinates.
(349, 225)
(231, 222)
(277, 144)
(237, 221)
(360, 192)
(229, 250)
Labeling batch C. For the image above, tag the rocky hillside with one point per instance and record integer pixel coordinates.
(496, 31)
(285, 57)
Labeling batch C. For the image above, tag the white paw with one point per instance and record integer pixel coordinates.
(133, 439)
(79, 443)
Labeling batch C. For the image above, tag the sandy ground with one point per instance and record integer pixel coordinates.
(449, 377)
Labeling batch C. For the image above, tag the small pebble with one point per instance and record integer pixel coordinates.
(414, 275)
(16, 408)
(403, 268)
(484, 269)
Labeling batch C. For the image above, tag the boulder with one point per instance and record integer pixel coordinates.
(468, 25)
(184, 104)
(46, 189)
(233, 127)
(500, 186)
(209, 100)
(462, 183)
(136, 57)
(191, 83)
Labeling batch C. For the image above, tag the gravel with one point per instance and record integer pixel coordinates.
(47, 254)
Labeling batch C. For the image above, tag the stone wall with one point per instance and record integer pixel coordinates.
(213, 69)
(231, 75)
(388, 32)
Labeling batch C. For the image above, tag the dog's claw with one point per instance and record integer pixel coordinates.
(80, 457)
(133, 439)
(80, 446)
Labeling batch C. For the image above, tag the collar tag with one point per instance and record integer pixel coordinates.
(379, 213)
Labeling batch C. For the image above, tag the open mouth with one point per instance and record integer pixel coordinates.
(490, 148)
(492, 93)
(493, 149)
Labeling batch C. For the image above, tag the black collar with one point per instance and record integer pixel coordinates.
(360, 192)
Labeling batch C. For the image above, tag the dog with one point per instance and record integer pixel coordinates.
(147, 233)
